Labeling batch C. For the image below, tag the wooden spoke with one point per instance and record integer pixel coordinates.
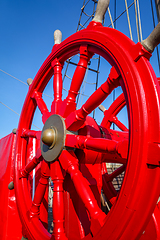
(40, 190)
(76, 119)
(57, 86)
(31, 133)
(119, 124)
(110, 114)
(58, 201)
(32, 164)
(108, 187)
(69, 162)
(41, 105)
(98, 144)
(69, 104)
(118, 171)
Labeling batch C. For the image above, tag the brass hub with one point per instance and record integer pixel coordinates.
(49, 137)
(53, 137)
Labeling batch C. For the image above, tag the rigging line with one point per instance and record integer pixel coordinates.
(82, 8)
(135, 6)
(88, 15)
(157, 3)
(22, 82)
(129, 24)
(13, 77)
(16, 113)
(122, 13)
(9, 108)
(154, 27)
(110, 16)
(154, 24)
(115, 4)
(89, 83)
(80, 16)
(84, 5)
(75, 64)
(86, 21)
(139, 18)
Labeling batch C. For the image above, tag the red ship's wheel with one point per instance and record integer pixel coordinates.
(63, 133)
(110, 117)
(109, 191)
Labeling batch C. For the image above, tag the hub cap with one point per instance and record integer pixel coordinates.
(53, 137)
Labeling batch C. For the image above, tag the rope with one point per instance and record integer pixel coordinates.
(137, 25)
(154, 27)
(88, 15)
(121, 14)
(110, 16)
(68, 77)
(157, 3)
(80, 15)
(139, 18)
(115, 15)
(89, 83)
(129, 24)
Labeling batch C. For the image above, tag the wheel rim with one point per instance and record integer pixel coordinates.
(144, 130)
(110, 117)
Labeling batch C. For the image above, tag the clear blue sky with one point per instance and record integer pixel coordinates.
(26, 39)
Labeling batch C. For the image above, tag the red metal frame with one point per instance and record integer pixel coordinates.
(10, 224)
(132, 70)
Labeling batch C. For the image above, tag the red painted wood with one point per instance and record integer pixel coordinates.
(58, 201)
(76, 119)
(69, 104)
(131, 208)
(69, 162)
(57, 86)
(40, 191)
(32, 164)
(41, 105)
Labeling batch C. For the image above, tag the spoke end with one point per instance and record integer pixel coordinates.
(102, 108)
(11, 186)
(57, 36)
(29, 81)
(14, 130)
